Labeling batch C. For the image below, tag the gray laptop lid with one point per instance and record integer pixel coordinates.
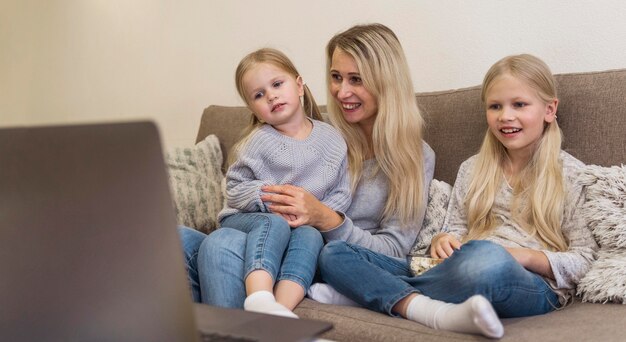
(252, 326)
(88, 245)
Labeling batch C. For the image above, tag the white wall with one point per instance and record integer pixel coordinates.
(65, 61)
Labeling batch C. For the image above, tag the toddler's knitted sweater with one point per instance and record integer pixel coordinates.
(317, 164)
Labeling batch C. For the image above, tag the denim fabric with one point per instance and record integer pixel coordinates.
(191, 240)
(378, 282)
(273, 246)
(268, 237)
(300, 261)
(215, 263)
(221, 266)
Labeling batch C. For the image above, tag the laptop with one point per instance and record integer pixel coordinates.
(89, 249)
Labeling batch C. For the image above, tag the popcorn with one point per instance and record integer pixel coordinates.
(422, 263)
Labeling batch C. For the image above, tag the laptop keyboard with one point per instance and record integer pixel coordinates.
(213, 337)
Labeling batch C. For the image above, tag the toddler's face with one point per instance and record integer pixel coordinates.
(273, 95)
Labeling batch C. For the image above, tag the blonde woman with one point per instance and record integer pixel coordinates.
(373, 106)
(515, 243)
(372, 103)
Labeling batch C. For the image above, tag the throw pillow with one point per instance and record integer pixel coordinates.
(196, 178)
(605, 212)
(606, 280)
(604, 207)
(438, 198)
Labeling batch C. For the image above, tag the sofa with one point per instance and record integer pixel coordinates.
(592, 115)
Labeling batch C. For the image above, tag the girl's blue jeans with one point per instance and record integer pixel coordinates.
(218, 264)
(378, 282)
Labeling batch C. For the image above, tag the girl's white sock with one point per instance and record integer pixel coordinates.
(265, 302)
(475, 315)
(324, 293)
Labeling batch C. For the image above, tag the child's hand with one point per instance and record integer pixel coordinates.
(443, 245)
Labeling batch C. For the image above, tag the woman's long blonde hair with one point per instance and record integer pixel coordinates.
(397, 134)
(279, 60)
(540, 191)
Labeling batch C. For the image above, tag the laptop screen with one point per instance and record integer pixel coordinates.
(88, 245)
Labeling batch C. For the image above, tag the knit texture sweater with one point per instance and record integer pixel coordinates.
(568, 266)
(317, 164)
(363, 223)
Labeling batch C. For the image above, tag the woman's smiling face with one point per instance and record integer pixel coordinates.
(356, 102)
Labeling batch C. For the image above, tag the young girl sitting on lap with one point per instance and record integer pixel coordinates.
(285, 143)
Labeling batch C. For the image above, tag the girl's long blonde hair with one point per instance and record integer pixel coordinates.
(280, 60)
(397, 134)
(540, 191)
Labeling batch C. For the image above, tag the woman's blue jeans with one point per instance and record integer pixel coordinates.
(379, 282)
(217, 264)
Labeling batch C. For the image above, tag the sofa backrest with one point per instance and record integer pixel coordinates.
(591, 113)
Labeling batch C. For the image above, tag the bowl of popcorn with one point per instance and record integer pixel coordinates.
(422, 263)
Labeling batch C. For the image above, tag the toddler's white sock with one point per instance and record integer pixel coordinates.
(475, 315)
(265, 302)
(324, 293)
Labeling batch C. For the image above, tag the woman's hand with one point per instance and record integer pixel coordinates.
(288, 217)
(295, 202)
(533, 260)
(443, 245)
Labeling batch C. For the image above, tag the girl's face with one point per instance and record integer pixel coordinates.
(516, 115)
(346, 86)
(273, 95)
